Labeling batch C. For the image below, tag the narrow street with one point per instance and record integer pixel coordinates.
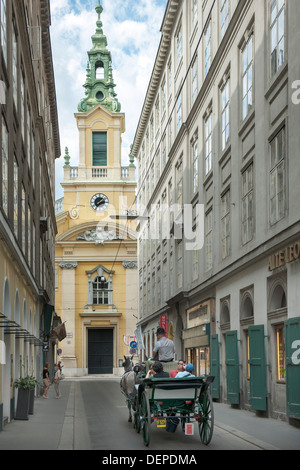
(106, 418)
(92, 416)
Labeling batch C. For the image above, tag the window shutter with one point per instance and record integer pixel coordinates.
(233, 372)
(99, 149)
(257, 361)
(292, 345)
(215, 366)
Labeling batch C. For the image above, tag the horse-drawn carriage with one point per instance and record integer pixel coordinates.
(171, 402)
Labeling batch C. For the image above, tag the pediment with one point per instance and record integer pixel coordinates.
(100, 233)
(99, 113)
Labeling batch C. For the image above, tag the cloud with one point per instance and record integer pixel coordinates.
(133, 33)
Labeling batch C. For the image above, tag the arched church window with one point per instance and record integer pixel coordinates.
(99, 71)
(100, 291)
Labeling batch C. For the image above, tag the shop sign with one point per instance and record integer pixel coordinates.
(289, 254)
(164, 322)
(198, 315)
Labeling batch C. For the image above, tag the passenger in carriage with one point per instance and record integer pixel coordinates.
(187, 372)
(180, 368)
(157, 371)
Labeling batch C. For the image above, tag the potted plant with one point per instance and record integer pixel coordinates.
(25, 386)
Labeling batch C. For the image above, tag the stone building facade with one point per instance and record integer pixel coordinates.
(219, 133)
(29, 146)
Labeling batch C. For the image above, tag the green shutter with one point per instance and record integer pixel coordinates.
(257, 361)
(233, 368)
(215, 366)
(99, 149)
(292, 346)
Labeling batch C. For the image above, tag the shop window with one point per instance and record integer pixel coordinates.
(200, 358)
(280, 354)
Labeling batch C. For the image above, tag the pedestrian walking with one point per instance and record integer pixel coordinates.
(46, 379)
(56, 380)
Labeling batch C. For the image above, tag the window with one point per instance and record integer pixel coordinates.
(15, 66)
(163, 98)
(179, 183)
(179, 112)
(195, 164)
(277, 27)
(22, 113)
(224, 16)
(29, 231)
(247, 205)
(194, 80)
(225, 116)
(23, 219)
(208, 143)
(208, 240)
(28, 137)
(170, 77)
(4, 29)
(4, 167)
(157, 115)
(100, 291)
(16, 196)
(225, 221)
(179, 44)
(33, 254)
(99, 71)
(179, 265)
(247, 77)
(194, 13)
(164, 151)
(280, 354)
(277, 178)
(99, 149)
(207, 44)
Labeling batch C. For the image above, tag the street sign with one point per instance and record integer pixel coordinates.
(133, 344)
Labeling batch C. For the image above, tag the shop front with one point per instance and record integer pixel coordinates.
(196, 336)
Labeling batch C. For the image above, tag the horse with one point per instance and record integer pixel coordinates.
(128, 383)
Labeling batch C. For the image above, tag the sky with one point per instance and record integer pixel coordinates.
(132, 28)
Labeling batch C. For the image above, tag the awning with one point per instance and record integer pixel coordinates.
(48, 318)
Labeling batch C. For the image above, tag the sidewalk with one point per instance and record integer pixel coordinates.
(52, 425)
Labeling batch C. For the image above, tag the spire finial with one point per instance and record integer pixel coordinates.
(99, 85)
(67, 157)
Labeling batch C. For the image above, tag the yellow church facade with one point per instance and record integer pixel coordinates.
(96, 252)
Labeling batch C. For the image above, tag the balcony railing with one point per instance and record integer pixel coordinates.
(126, 173)
(59, 206)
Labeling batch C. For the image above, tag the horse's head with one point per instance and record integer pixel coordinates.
(128, 364)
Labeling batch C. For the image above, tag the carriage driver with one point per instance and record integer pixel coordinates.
(164, 348)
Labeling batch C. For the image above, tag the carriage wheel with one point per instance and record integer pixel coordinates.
(206, 418)
(137, 416)
(146, 419)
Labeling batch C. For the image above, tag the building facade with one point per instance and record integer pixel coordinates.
(217, 141)
(29, 146)
(96, 254)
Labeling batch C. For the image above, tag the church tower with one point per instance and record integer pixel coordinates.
(96, 254)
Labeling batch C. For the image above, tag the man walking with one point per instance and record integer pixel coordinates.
(164, 348)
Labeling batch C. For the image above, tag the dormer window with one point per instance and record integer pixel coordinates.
(99, 70)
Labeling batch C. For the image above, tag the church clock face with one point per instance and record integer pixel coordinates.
(99, 202)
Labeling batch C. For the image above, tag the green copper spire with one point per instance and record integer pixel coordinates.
(99, 85)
